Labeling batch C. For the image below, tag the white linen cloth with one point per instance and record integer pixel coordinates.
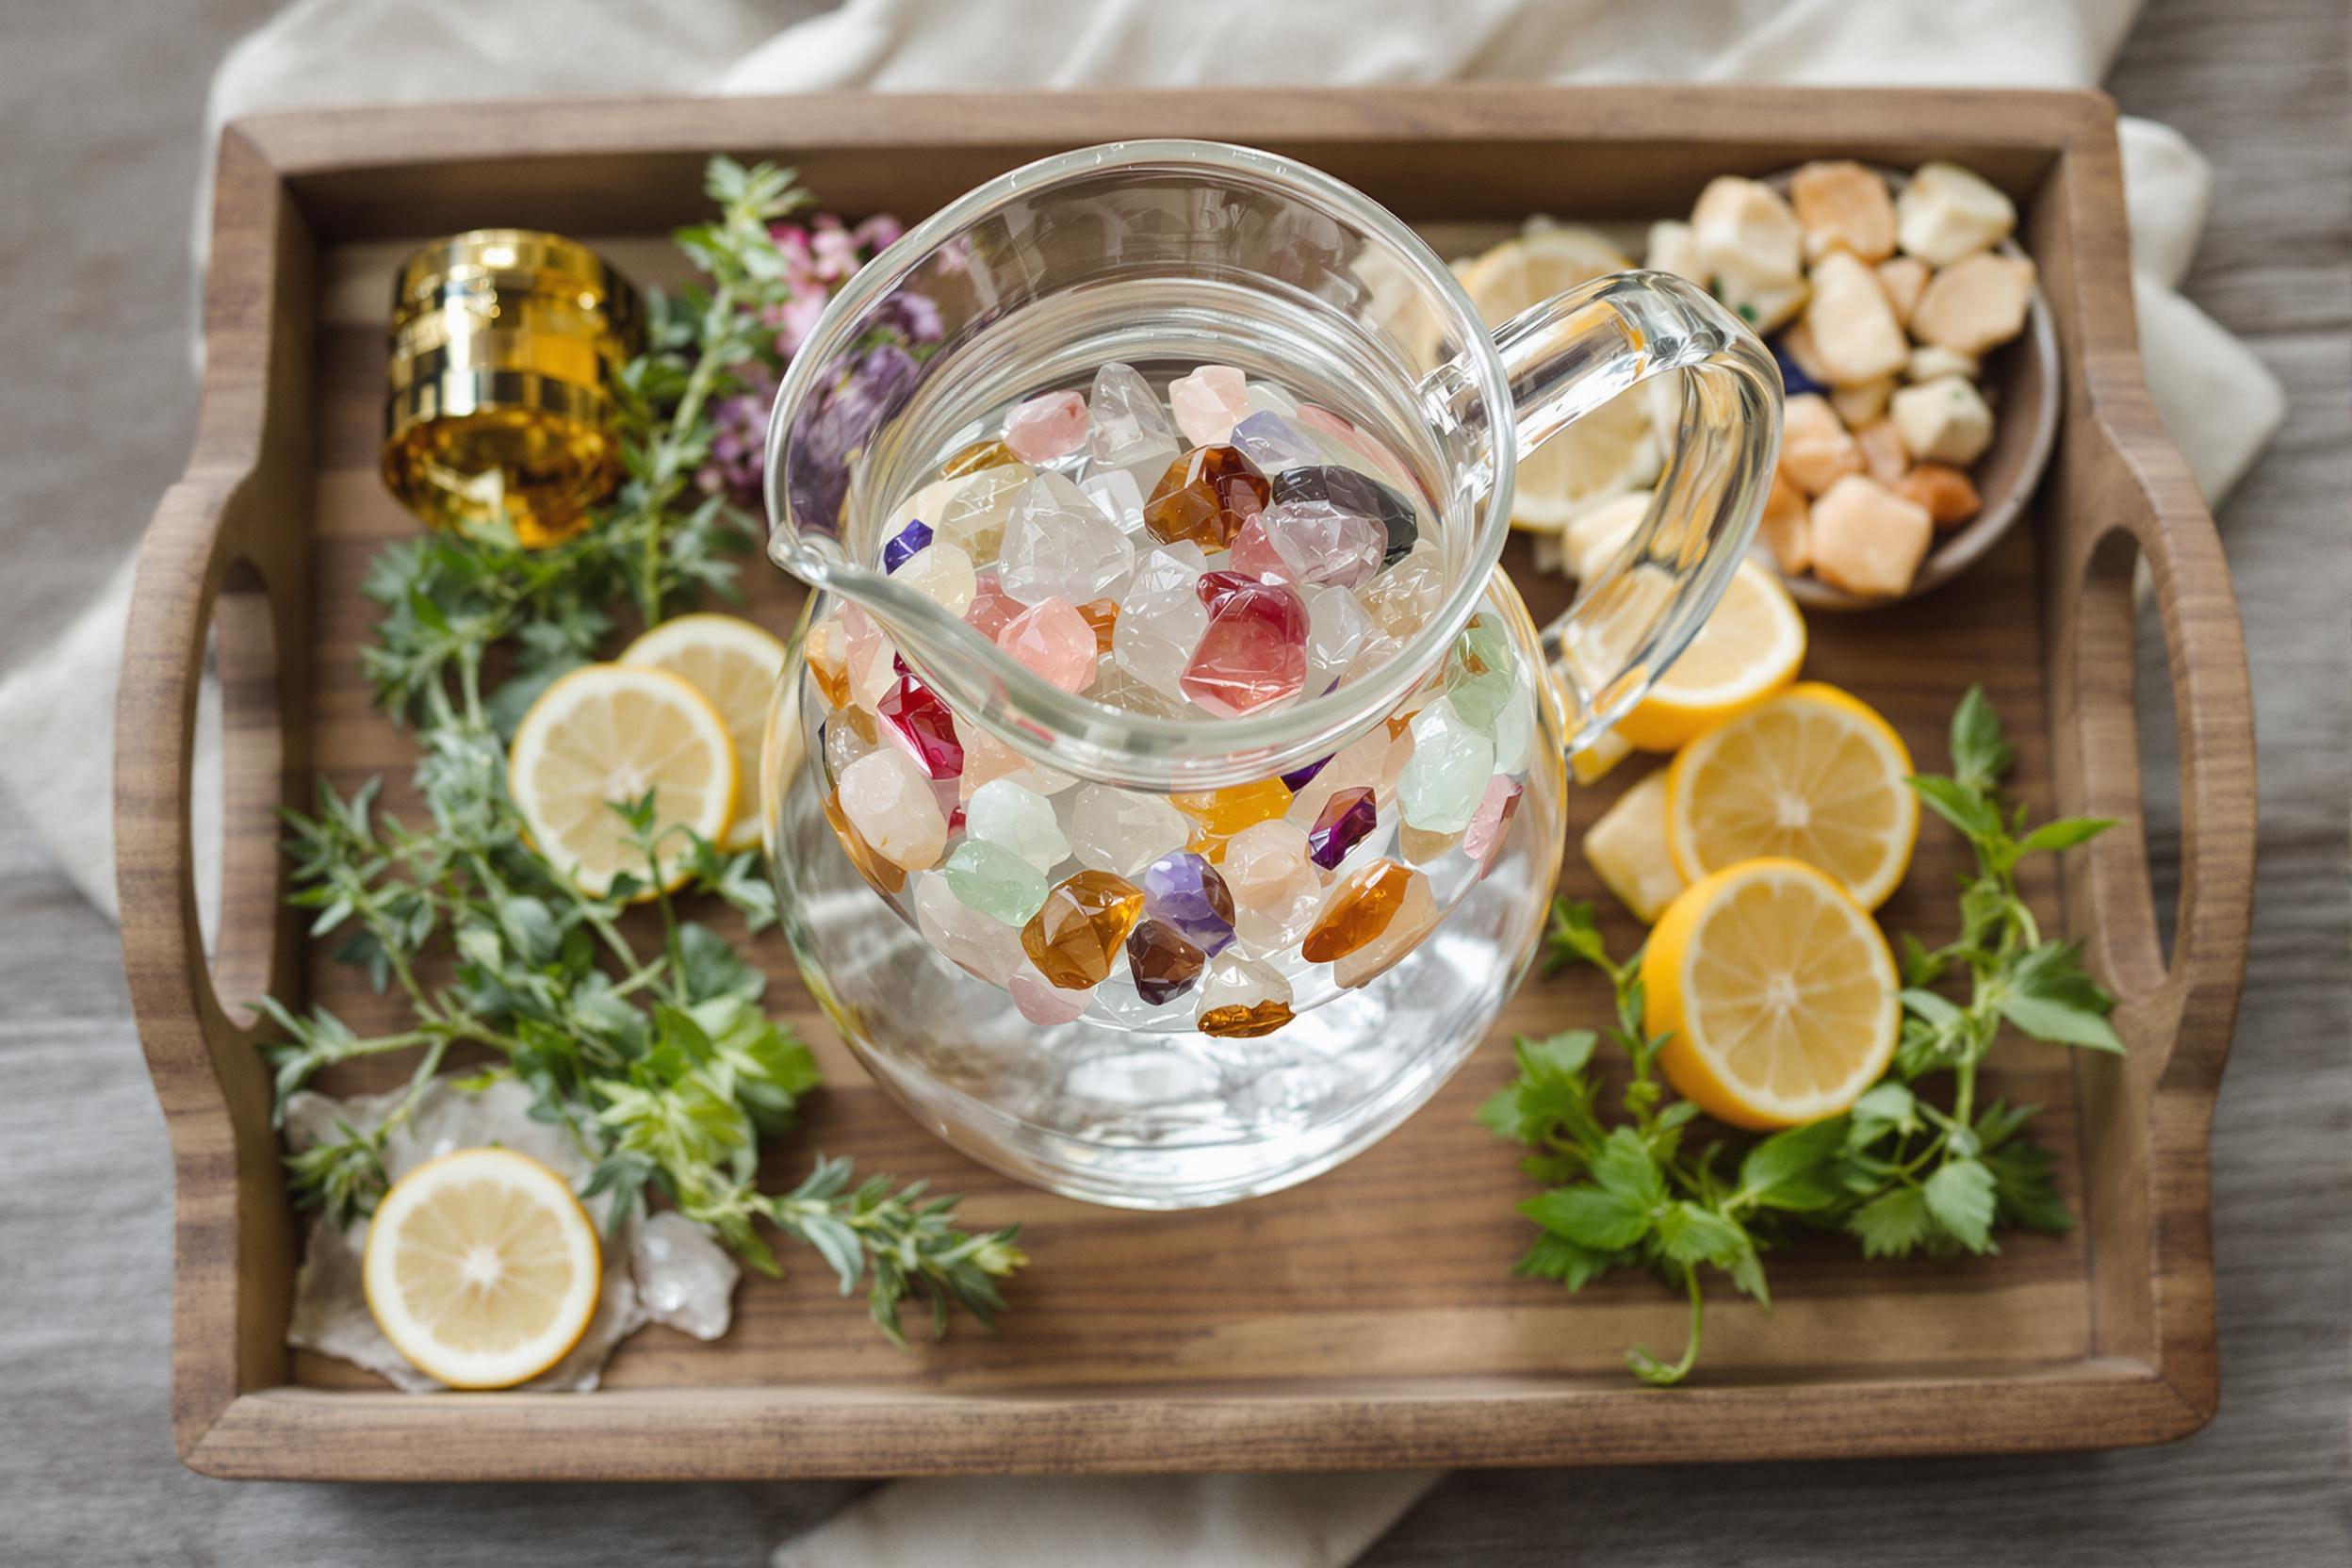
(2216, 398)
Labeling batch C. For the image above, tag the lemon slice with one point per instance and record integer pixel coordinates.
(610, 733)
(1811, 775)
(733, 662)
(1779, 993)
(1611, 450)
(482, 1269)
(1749, 649)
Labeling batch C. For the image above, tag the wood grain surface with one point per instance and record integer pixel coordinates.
(89, 1475)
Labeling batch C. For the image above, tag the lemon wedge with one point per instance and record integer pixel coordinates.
(1628, 847)
(1811, 775)
(1779, 993)
(610, 733)
(482, 1269)
(734, 663)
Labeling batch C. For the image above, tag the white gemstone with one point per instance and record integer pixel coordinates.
(972, 514)
(1014, 818)
(943, 574)
(1162, 620)
(1336, 627)
(1515, 728)
(1118, 497)
(1234, 981)
(1445, 777)
(1120, 831)
(1057, 542)
(986, 947)
(1130, 423)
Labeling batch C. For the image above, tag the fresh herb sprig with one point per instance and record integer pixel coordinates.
(1904, 1170)
(662, 1067)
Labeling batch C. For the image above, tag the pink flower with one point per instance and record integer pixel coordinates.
(835, 250)
(879, 232)
(799, 318)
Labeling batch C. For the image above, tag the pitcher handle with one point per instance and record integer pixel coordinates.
(1571, 354)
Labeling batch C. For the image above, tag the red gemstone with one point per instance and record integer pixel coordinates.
(1206, 496)
(920, 722)
(1254, 652)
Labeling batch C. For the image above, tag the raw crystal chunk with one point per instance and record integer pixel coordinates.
(1118, 496)
(1184, 893)
(991, 608)
(885, 877)
(1416, 913)
(982, 945)
(979, 455)
(995, 881)
(1346, 490)
(1402, 598)
(1323, 545)
(1054, 639)
(914, 716)
(1254, 652)
(1050, 425)
(1360, 908)
(1164, 964)
(1057, 542)
(1077, 933)
(1303, 776)
(870, 661)
(1514, 727)
(1254, 554)
(1221, 813)
(1336, 627)
(1018, 819)
(1161, 620)
(905, 544)
(1358, 763)
(1103, 617)
(888, 799)
(1131, 426)
(1482, 841)
(1421, 847)
(843, 741)
(1478, 672)
(986, 759)
(827, 652)
(1118, 830)
(1265, 397)
(943, 574)
(1274, 885)
(1205, 497)
(1445, 777)
(1346, 818)
(972, 515)
(1273, 443)
(1243, 999)
(1040, 1001)
(1209, 403)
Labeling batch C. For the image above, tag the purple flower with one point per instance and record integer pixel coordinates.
(860, 393)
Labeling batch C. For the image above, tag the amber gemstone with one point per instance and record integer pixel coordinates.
(1218, 814)
(1075, 936)
(1102, 615)
(1421, 846)
(1234, 1022)
(885, 878)
(826, 649)
(1416, 912)
(1205, 497)
(1360, 908)
(980, 454)
(1164, 965)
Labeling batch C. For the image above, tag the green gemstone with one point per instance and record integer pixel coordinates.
(1444, 779)
(994, 881)
(1479, 674)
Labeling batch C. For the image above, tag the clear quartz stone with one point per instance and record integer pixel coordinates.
(1018, 819)
(1162, 620)
(1336, 627)
(1116, 496)
(1264, 397)
(1131, 424)
(1120, 831)
(1057, 542)
(1273, 443)
(973, 514)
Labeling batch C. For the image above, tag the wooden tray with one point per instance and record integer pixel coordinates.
(1367, 1318)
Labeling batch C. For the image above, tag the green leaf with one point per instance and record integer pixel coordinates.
(1555, 1257)
(712, 968)
(2022, 1188)
(1980, 753)
(2046, 993)
(1747, 1275)
(2064, 833)
(1550, 1092)
(1973, 814)
(1939, 1011)
(1590, 1216)
(1688, 1232)
(1796, 1170)
(1891, 1224)
(1625, 1167)
(1959, 1196)
(1575, 935)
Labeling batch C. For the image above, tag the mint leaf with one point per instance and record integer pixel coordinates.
(2064, 833)
(2023, 1191)
(1796, 1170)
(1960, 1197)
(1551, 1091)
(1980, 753)
(1977, 818)
(1625, 1167)
(1590, 1216)
(1555, 1257)
(1891, 1224)
(2048, 996)
(1690, 1234)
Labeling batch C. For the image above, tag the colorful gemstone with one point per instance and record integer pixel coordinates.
(1161, 619)
(1205, 497)
(888, 800)
(914, 716)
(1164, 964)
(870, 660)
(826, 648)
(1016, 818)
(1298, 778)
(1403, 597)
(1101, 615)
(1357, 764)
(1359, 909)
(1121, 831)
(991, 608)
(981, 944)
(1130, 424)
(1273, 443)
(1254, 554)
(1243, 999)
(995, 881)
(1358, 495)
(1417, 914)
(974, 515)
(943, 574)
(979, 455)
(1482, 841)
(1478, 672)
(1058, 545)
(1054, 639)
(1420, 846)
(1209, 403)
(1045, 427)
(843, 742)
(1319, 544)
(1221, 813)
(1274, 884)
(1077, 933)
(885, 877)
(1184, 891)
(1040, 1001)
(1254, 652)
(1443, 780)
(905, 545)
(1342, 825)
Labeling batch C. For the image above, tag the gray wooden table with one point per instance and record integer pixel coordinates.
(97, 112)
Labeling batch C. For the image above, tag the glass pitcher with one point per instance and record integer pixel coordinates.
(1263, 939)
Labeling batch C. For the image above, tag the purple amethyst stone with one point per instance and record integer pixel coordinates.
(1184, 892)
(1298, 778)
(905, 545)
(1346, 818)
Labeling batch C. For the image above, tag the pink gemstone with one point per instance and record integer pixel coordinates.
(869, 659)
(918, 721)
(1254, 652)
(1050, 425)
(991, 607)
(1055, 641)
(1318, 545)
(1254, 554)
(1040, 1001)
(1209, 403)
(1489, 824)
